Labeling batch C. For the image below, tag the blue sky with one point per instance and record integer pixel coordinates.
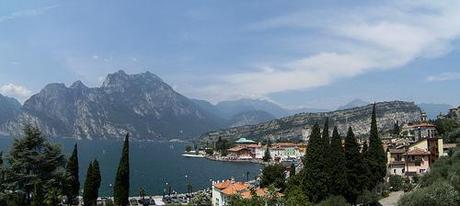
(318, 54)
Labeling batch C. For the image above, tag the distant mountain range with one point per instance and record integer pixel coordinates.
(143, 105)
(299, 125)
(433, 110)
(354, 103)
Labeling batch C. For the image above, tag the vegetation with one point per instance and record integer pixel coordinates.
(266, 157)
(376, 156)
(337, 162)
(92, 184)
(35, 166)
(201, 199)
(121, 187)
(73, 182)
(314, 179)
(274, 175)
(441, 186)
(396, 182)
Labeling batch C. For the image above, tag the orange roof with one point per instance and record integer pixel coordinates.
(397, 151)
(236, 149)
(418, 151)
(235, 188)
(222, 185)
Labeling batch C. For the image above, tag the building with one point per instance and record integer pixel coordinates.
(243, 141)
(282, 151)
(417, 161)
(396, 163)
(419, 131)
(223, 190)
(416, 158)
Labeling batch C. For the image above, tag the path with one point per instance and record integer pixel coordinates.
(392, 199)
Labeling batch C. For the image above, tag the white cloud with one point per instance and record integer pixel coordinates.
(17, 91)
(445, 76)
(378, 38)
(27, 12)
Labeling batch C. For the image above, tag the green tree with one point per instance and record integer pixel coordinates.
(292, 170)
(267, 157)
(188, 148)
(376, 156)
(274, 175)
(121, 187)
(73, 183)
(314, 177)
(38, 197)
(88, 199)
(337, 165)
(441, 193)
(96, 178)
(334, 201)
(296, 197)
(355, 165)
(33, 160)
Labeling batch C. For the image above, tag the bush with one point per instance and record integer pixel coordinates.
(334, 201)
(438, 194)
(396, 182)
(367, 198)
(296, 197)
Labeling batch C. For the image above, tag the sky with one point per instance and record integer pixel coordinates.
(317, 54)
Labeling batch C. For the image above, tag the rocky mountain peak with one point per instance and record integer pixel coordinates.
(78, 85)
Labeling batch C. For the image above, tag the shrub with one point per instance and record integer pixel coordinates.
(396, 182)
(438, 194)
(334, 201)
(367, 198)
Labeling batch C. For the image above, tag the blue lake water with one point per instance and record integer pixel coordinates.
(152, 165)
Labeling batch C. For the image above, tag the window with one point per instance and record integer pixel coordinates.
(394, 171)
(417, 163)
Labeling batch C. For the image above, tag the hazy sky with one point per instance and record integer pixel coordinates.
(297, 53)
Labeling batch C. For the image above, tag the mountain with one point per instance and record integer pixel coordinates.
(354, 103)
(141, 104)
(299, 125)
(230, 108)
(433, 110)
(306, 110)
(9, 108)
(250, 118)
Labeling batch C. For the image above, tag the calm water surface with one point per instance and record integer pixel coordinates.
(152, 165)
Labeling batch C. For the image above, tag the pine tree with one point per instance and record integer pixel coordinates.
(73, 183)
(355, 166)
(376, 154)
(314, 178)
(88, 186)
(121, 187)
(337, 163)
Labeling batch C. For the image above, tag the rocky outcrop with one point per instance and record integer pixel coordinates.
(9, 108)
(297, 126)
(141, 104)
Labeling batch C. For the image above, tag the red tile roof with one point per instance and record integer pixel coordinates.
(417, 151)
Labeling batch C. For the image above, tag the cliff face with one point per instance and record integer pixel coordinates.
(141, 104)
(9, 108)
(296, 125)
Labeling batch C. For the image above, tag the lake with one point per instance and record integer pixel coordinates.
(152, 165)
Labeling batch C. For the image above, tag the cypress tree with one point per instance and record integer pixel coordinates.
(121, 187)
(292, 170)
(266, 157)
(376, 154)
(355, 166)
(87, 188)
(314, 177)
(73, 183)
(337, 162)
(326, 140)
(96, 179)
(92, 184)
